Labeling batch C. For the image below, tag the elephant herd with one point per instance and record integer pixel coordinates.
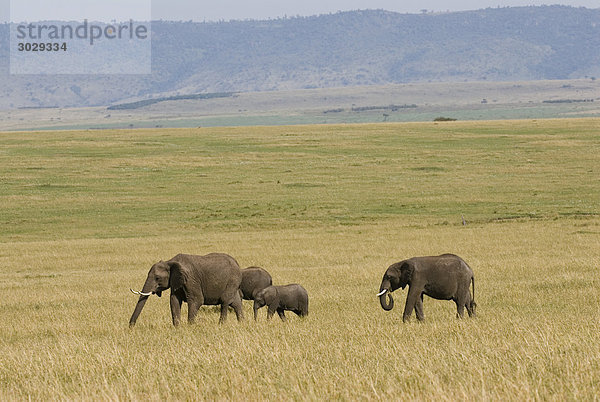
(216, 279)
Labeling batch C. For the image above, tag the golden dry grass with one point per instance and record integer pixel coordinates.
(65, 300)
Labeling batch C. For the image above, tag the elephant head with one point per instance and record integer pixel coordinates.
(398, 275)
(265, 297)
(162, 276)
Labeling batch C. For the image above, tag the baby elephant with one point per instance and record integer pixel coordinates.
(444, 277)
(280, 298)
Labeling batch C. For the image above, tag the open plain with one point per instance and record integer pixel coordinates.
(84, 214)
(422, 101)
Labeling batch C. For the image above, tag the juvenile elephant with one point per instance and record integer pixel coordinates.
(445, 277)
(280, 298)
(254, 279)
(196, 279)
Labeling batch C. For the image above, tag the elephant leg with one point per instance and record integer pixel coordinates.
(419, 308)
(193, 308)
(223, 317)
(469, 310)
(175, 309)
(237, 307)
(270, 312)
(460, 307)
(281, 313)
(414, 295)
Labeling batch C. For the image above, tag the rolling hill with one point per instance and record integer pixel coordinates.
(371, 47)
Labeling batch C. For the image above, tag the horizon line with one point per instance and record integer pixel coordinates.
(298, 16)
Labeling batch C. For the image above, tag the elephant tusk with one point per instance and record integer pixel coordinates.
(140, 293)
(382, 292)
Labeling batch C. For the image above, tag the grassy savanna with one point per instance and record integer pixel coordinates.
(85, 214)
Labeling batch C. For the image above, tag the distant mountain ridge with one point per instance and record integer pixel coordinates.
(371, 47)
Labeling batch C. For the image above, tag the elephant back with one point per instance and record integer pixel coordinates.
(217, 276)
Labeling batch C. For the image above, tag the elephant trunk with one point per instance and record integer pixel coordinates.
(384, 294)
(255, 307)
(144, 294)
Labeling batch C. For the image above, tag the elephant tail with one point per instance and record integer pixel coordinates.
(473, 304)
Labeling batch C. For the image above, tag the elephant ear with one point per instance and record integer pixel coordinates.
(406, 272)
(177, 277)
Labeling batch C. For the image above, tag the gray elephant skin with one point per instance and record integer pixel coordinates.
(444, 277)
(291, 297)
(254, 279)
(210, 279)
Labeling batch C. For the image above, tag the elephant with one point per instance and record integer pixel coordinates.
(254, 279)
(444, 277)
(196, 279)
(291, 297)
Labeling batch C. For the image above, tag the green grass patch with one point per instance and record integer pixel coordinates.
(138, 182)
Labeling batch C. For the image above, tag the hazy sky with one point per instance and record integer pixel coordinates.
(214, 10)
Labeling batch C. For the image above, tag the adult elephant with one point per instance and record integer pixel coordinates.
(254, 279)
(196, 279)
(443, 277)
